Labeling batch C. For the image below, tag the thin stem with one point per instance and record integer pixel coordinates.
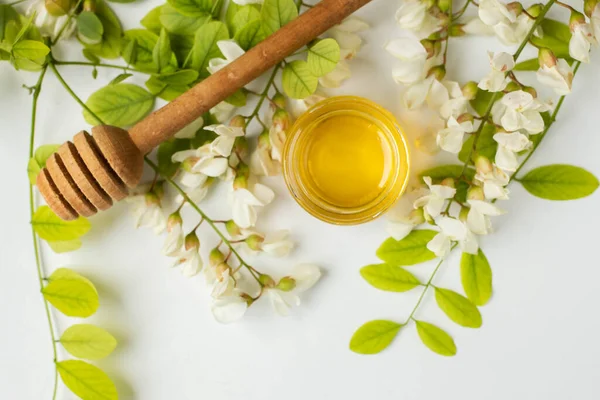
(447, 44)
(89, 64)
(263, 95)
(560, 3)
(36, 248)
(462, 10)
(535, 25)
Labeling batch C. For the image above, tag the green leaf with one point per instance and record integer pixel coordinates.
(389, 278)
(447, 171)
(120, 105)
(458, 308)
(88, 341)
(71, 294)
(238, 99)
(182, 47)
(110, 46)
(192, 8)
(165, 152)
(559, 48)
(51, 228)
(205, 45)
(232, 9)
(374, 336)
(436, 339)
(481, 102)
(560, 182)
(323, 57)
(486, 145)
(244, 16)
(180, 24)
(30, 49)
(532, 64)
(168, 92)
(556, 37)
(90, 56)
(65, 246)
(298, 82)
(556, 29)
(277, 13)
(476, 277)
(152, 20)
(143, 56)
(38, 161)
(162, 54)
(120, 78)
(86, 381)
(409, 251)
(250, 35)
(7, 14)
(89, 28)
(181, 77)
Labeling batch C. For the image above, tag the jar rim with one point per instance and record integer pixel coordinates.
(396, 142)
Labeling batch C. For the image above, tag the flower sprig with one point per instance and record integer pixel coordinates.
(494, 126)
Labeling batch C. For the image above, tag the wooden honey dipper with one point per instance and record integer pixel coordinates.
(91, 172)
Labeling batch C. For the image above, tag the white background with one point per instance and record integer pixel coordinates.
(539, 339)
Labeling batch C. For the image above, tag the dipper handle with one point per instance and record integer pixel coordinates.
(162, 124)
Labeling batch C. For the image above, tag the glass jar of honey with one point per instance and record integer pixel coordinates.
(346, 160)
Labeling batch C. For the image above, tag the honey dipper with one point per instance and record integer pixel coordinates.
(92, 171)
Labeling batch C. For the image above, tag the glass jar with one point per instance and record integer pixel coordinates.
(346, 160)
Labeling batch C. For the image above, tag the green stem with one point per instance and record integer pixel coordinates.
(535, 25)
(89, 64)
(264, 94)
(462, 10)
(36, 248)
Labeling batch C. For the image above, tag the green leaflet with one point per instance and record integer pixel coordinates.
(38, 161)
(51, 228)
(143, 56)
(250, 35)
(458, 308)
(389, 278)
(532, 64)
(65, 246)
(180, 24)
(165, 91)
(486, 145)
(192, 8)
(277, 13)
(88, 341)
(166, 150)
(110, 46)
(120, 105)
(238, 99)
(560, 182)
(86, 381)
(447, 171)
(90, 56)
(556, 37)
(162, 54)
(181, 77)
(323, 57)
(436, 339)
(71, 293)
(30, 49)
(151, 21)
(476, 277)
(205, 45)
(120, 78)
(298, 82)
(409, 251)
(89, 28)
(374, 336)
(7, 13)
(243, 17)
(182, 47)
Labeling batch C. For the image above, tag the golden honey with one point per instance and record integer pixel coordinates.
(346, 160)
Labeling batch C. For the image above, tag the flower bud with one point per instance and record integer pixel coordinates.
(221, 269)
(248, 298)
(589, 6)
(429, 46)
(475, 193)
(254, 242)
(449, 182)
(232, 228)
(576, 18)
(444, 5)
(281, 120)
(435, 35)
(266, 281)
(470, 90)
(531, 90)
(457, 30)
(466, 117)
(242, 174)
(264, 140)
(191, 241)
(159, 189)
(515, 7)
(58, 8)
(547, 58)
(417, 216)
(463, 214)
(89, 5)
(286, 284)
(438, 72)
(512, 87)
(173, 221)
(240, 146)
(535, 10)
(443, 20)
(216, 257)
(483, 165)
(278, 100)
(152, 199)
(238, 122)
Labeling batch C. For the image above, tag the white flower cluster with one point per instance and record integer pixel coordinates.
(514, 116)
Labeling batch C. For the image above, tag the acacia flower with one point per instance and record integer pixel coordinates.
(493, 12)
(335, 78)
(189, 258)
(276, 244)
(433, 203)
(225, 140)
(284, 295)
(297, 107)
(413, 16)
(458, 101)
(346, 36)
(492, 179)
(175, 239)
(595, 21)
(513, 33)
(413, 56)
(509, 144)
(452, 230)
(197, 165)
(429, 90)
(400, 225)
(496, 80)
(478, 217)
(247, 197)
(451, 137)
(555, 73)
(190, 131)
(147, 209)
(222, 111)
(520, 110)
(50, 20)
(230, 307)
(230, 50)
